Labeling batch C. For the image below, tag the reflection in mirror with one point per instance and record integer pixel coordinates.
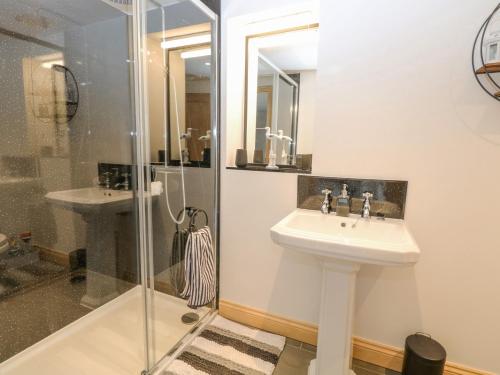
(182, 92)
(280, 87)
(190, 74)
(65, 108)
(275, 86)
(181, 123)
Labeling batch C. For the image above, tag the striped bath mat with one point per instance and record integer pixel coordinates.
(228, 348)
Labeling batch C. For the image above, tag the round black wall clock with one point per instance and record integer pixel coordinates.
(66, 93)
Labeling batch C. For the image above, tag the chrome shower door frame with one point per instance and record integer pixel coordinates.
(142, 154)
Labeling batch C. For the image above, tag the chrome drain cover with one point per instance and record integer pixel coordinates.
(190, 318)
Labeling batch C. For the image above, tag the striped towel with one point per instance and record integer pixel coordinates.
(199, 269)
(228, 348)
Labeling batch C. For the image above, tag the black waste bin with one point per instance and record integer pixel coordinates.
(423, 356)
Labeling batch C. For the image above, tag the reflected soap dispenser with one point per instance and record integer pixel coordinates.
(343, 205)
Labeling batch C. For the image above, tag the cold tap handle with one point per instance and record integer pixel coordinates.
(325, 206)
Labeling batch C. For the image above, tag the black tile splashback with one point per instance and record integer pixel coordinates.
(117, 171)
(116, 177)
(389, 196)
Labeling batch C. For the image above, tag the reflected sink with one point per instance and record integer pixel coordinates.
(99, 208)
(92, 199)
(342, 245)
(383, 242)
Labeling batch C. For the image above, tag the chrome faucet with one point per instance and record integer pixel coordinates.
(365, 212)
(107, 180)
(125, 183)
(326, 206)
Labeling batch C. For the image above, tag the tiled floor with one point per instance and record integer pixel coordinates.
(296, 357)
(363, 368)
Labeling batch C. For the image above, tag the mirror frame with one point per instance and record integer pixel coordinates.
(246, 110)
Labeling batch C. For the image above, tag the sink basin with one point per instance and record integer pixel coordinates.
(383, 242)
(91, 199)
(342, 244)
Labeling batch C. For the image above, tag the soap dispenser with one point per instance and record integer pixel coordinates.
(343, 206)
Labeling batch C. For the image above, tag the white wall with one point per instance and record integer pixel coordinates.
(415, 113)
(254, 271)
(396, 99)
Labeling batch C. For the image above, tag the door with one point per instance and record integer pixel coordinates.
(177, 97)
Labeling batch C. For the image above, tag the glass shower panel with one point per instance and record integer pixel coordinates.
(68, 222)
(181, 74)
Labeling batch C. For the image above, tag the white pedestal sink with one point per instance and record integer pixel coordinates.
(92, 200)
(342, 244)
(98, 208)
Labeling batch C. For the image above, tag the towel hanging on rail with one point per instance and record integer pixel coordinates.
(199, 268)
(178, 251)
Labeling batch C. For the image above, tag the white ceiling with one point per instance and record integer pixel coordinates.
(48, 19)
(75, 12)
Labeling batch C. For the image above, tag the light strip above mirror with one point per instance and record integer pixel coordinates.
(196, 53)
(186, 41)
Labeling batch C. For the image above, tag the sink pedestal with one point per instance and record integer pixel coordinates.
(342, 244)
(101, 259)
(335, 319)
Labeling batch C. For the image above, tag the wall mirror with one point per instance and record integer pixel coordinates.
(181, 79)
(280, 80)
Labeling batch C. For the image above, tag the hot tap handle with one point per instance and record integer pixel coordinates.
(325, 206)
(367, 195)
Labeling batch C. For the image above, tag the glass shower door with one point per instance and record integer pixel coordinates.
(70, 293)
(108, 149)
(179, 93)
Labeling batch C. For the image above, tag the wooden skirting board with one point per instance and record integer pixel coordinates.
(365, 350)
(53, 256)
(297, 330)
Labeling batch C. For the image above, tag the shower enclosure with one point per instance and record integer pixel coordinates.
(108, 157)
